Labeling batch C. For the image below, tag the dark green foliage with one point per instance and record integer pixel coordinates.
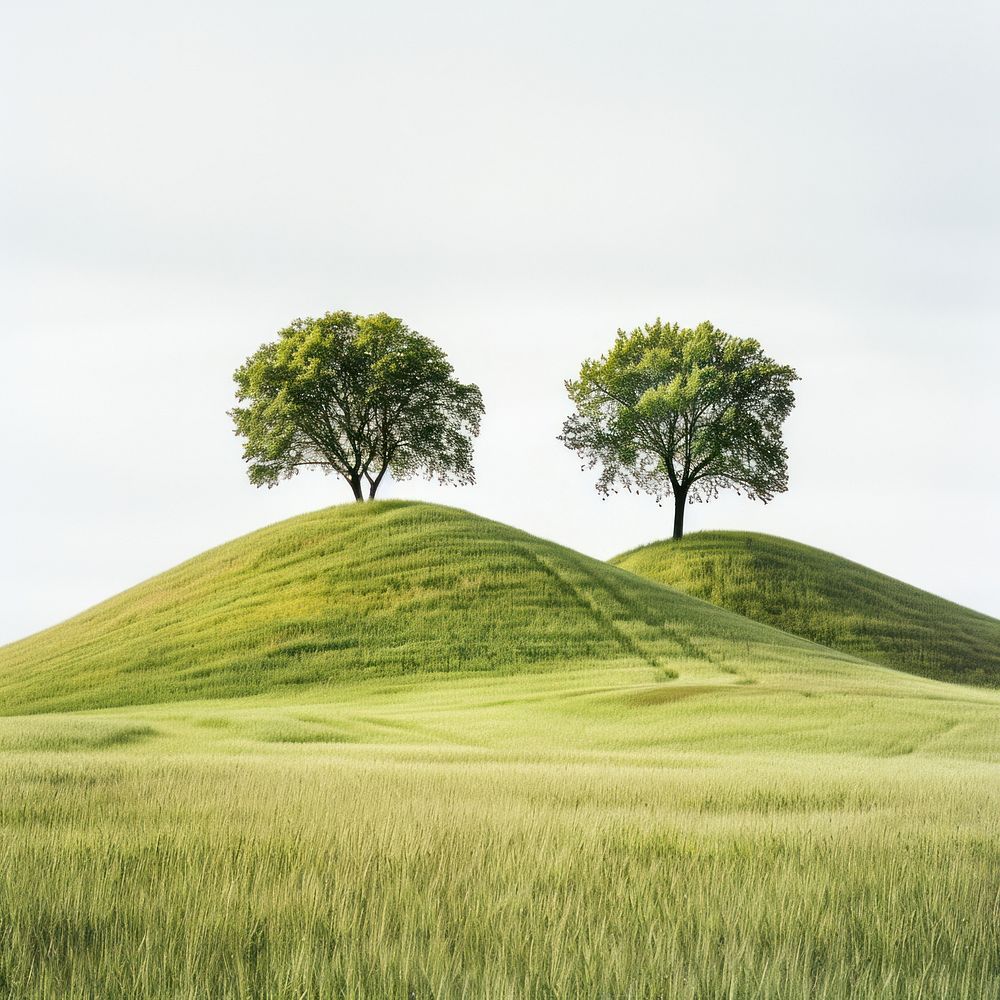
(683, 413)
(829, 600)
(358, 396)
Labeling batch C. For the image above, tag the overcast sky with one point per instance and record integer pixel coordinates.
(515, 180)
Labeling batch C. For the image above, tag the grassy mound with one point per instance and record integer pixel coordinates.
(829, 600)
(458, 763)
(360, 591)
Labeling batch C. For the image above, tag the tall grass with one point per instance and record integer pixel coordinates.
(552, 835)
(431, 756)
(829, 600)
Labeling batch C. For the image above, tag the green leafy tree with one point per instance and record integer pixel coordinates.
(359, 396)
(683, 413)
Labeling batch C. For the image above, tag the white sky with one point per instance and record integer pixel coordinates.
(517, 180)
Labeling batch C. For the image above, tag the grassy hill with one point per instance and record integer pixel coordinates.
(829, 600)
(431, 756)
(375, 590)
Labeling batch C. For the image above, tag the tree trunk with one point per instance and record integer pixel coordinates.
(375, 483)
(680, 502)
(355, 482)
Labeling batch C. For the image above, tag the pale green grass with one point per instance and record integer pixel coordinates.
(400, 751)
(591, 833)
(829, 600)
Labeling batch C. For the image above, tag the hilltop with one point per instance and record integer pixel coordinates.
(829, 600)
(385, 589)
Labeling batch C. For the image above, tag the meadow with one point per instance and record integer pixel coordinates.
(573, 834)
(700, 807)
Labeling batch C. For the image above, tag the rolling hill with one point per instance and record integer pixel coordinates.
(399, 750)
(375, 590)
(827, 599)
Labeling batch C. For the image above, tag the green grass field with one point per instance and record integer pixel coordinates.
(400, 751)
(829, 600)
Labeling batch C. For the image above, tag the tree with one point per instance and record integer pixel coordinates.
(358, 396)
(683, 413)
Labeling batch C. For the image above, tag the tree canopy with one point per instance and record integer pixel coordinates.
(358, 396)
(683, 413)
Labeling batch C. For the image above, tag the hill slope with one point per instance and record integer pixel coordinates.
(829, 600)
(383, 589)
